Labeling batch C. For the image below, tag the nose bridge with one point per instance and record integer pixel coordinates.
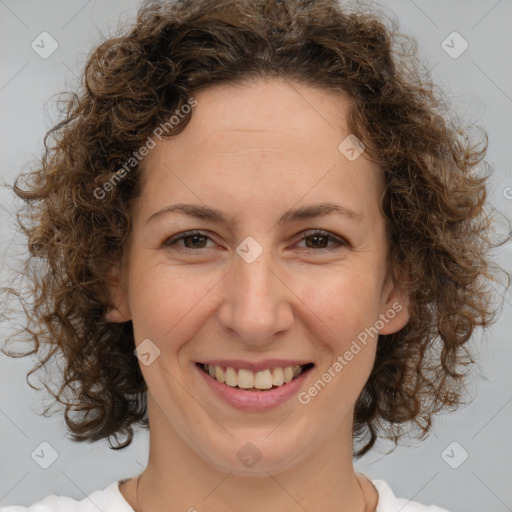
(255, 305)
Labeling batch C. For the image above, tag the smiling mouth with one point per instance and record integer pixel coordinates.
(247, 380)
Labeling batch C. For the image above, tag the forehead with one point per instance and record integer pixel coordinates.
(284, 103)
(264, 137)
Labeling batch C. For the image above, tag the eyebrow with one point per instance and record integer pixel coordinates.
(216, 216)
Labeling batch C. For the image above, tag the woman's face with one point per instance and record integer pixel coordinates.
(257, 289)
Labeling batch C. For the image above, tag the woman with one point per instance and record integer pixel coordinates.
(263, 242)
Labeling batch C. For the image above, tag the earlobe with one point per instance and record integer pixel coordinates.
(118, 310)
(115, 315)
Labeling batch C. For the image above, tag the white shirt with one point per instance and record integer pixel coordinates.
(110, 499)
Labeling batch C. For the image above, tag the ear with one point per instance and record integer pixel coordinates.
(119, 310)
(395, 309)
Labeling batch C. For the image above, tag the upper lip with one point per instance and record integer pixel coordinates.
(255, 366)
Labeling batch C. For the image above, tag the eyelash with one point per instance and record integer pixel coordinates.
(307, 234)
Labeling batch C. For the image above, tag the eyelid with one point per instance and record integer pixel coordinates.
(185, 234)
(303, 235)
(322, 232)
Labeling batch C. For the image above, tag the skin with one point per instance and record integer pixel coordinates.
(255, 150)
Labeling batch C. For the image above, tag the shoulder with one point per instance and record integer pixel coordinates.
(388, 502)
(108, 499)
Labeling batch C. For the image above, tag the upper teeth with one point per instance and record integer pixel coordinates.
(248, 379)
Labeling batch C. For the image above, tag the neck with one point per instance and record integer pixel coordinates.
(362, 486)
(183, 480)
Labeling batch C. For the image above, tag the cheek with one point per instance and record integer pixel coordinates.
(345, 312)
(164, 300)
(341, 304)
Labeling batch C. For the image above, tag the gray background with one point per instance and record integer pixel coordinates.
(479, 85)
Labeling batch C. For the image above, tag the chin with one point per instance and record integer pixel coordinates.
(256, 455)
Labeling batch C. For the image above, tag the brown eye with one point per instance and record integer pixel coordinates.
(192, 240)
(319, 240)
(195, 240)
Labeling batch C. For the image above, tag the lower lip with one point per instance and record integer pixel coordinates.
(254, 400)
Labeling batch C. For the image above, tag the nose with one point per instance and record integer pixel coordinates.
(256, 302)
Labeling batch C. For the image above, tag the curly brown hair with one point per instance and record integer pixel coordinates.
(434, 201)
